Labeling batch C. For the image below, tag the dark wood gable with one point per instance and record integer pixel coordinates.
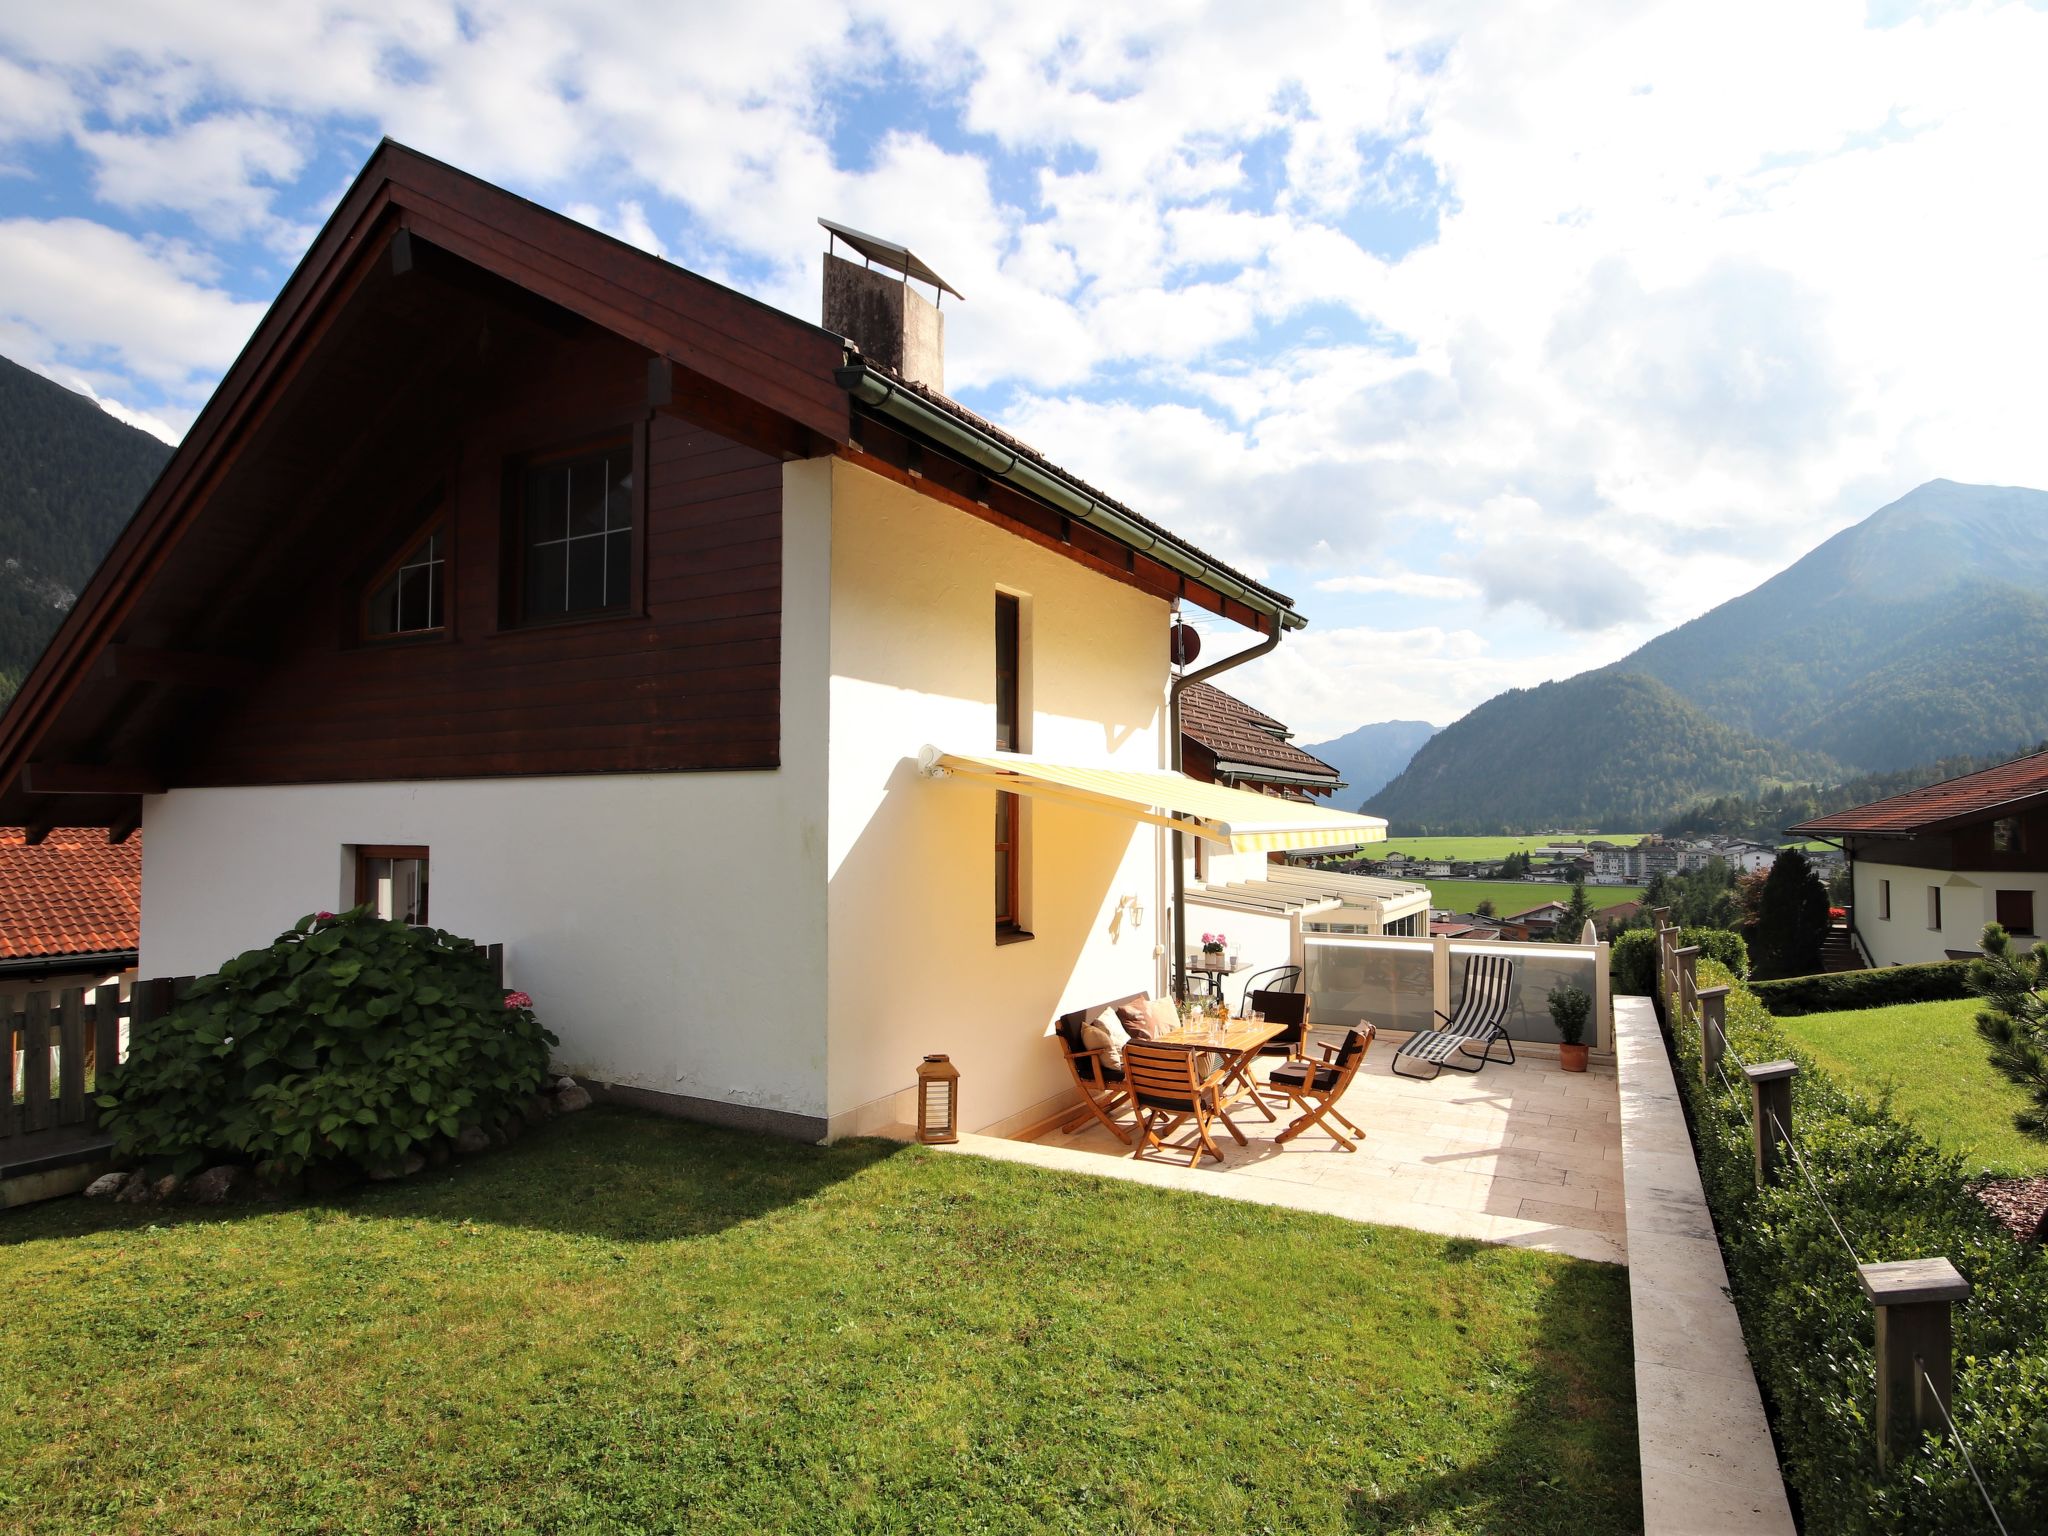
(438, 331)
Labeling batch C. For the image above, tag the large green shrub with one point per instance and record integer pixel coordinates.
(1632, 961)
(1809, 1326)
(1940, 982)
(349, 1037)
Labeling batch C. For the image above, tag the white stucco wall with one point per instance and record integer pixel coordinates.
(915, 964)
(1968, 902)
(670, 927)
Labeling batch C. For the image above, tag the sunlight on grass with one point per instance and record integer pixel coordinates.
(1931, 1058)
(629, 1322)
(1512, 896)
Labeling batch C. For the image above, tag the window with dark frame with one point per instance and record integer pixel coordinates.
(575, 537)
(1934, 907)
(411, 597)
(1884, 900)
(391, 879)
(2016, 911)
(1007, 740)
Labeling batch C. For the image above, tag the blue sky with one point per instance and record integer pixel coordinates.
(1501, 338)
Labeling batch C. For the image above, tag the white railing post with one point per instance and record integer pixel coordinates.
(1603, 1001)
(1440, 977)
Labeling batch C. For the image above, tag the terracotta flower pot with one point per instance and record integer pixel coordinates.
(1572, 1057)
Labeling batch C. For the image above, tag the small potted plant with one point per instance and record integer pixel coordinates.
(1569, 1009)
(1212, 948)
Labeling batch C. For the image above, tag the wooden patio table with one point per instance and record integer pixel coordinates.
(1237, 1041)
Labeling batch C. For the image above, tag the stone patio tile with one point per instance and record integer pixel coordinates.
(1608, 1222)
(1602, 1178)
(1555, 1194)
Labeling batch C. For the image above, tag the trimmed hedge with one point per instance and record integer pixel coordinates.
(1632, 960)
(1809, 1327)
(1942, 981)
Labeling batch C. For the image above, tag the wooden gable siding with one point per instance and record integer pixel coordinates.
(690, 681)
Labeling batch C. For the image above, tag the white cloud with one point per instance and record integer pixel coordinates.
(1402, 584)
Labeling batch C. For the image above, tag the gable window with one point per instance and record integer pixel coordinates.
(1884, 900)
(410, 597)
(1009, 738)
(2016, 911)
(1934, 907)
(2006, 836)
(391, 879)
(575, 534)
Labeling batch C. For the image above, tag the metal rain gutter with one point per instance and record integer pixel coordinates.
(1005, 463)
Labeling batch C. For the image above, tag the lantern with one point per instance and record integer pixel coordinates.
(938, 1100)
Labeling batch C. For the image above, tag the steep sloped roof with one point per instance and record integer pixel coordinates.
(1238, 733)
(1999, 791)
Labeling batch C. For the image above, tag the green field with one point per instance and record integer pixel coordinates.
(1473, 848)
(1512, 896)
(1930, 1056)
(631, 1323)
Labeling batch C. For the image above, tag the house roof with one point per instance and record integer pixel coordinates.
(189, 590)
(1242, 737)
(2001, 791)
(74, 893)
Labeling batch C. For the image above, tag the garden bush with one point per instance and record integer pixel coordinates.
(1809, 1327)
(1632, 961)
(350, 1037)
(1940, 982)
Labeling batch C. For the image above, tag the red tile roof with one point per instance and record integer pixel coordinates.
(1237, 733)
(1952, 802)
(72, 894)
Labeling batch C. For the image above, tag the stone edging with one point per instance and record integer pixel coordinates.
(1709, 1468)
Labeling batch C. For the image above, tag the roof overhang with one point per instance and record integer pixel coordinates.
(1237, 819)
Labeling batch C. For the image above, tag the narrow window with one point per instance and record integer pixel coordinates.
(576, 535)
(2016, 911)
(1007, 740)
(1934, 907)
(392, 880)
(2005, 835)
(1884, 900)
(410, 597)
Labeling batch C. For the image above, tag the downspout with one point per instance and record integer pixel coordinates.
(1180, 686)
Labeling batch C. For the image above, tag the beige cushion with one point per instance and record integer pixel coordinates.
(1106, 1033)
(1163, 1017)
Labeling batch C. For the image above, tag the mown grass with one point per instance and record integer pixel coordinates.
(1932, 1061)
(1464, 848)
(628, 1323)
(1512, 896)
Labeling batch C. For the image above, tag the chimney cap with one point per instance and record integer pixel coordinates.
(897, 258)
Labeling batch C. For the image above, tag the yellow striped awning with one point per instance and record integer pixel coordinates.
(1244, 821)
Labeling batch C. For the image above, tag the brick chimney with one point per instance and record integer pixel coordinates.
(873, 304)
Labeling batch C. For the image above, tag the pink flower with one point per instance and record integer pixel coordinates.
(323, 917)
(518, 1000)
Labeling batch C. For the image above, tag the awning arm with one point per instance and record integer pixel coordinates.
(929, 765)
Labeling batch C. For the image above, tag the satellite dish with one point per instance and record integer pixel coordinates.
(1185, 643)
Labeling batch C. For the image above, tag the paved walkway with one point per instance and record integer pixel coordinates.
(1528, 1155)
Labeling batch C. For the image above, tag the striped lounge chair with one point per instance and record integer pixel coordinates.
(1482, 1007)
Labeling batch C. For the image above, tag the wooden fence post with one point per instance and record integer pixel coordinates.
(1770, 1091)
(495, 953)
(1713, 1032)
(9, 1023)
(35, 1064)
(1667, 975)
(71, 1039)
(1686, 987)
(1913, 1299)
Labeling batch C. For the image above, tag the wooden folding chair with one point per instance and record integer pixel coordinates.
(1101, 1087)
(1317, 1087)
(1167, 1092)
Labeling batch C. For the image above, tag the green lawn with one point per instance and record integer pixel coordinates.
(626, 1322)
(1462, 848)
(1512, 896)
(1932, 1059)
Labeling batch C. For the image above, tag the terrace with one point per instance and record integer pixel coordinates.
(1524, 1154)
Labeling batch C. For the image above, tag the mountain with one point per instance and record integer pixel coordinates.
(1769, 813)
(1915, 634)
(1604, 749)
(1371, 755)
(70, 476)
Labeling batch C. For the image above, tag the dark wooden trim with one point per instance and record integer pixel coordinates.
(124, 823)
(89, 779)
(437, 518)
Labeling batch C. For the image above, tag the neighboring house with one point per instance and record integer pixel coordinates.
(1932, 866)
(1611, 920)
(1226, 741)
(69, 906)
(1537, 922)
(784, 720)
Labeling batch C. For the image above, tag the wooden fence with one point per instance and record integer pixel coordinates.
(52, 1057)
